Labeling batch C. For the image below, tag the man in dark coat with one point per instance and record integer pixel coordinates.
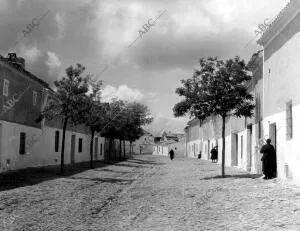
(171, 154)
(268, 159)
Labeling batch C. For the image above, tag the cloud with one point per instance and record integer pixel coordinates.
(53, 63)
(30, 54)
(122, 92)
(162, 122)
(126, 93)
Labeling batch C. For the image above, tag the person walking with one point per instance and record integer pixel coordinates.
(171, 153)
(268, 159)
(214, 154)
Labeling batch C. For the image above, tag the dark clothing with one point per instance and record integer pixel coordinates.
(171, 154)
(214, 154)
(268, 160)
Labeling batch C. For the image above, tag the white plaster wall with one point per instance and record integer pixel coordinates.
(242, 157)
(41, 152)
(255, 151)
(287, 151)
(206, 151)
(157, 150)
(190, 151)
(227, 150)
(165, 151)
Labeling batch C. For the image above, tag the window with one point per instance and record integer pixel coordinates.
(241, 146)
(289, 120)
(101, 150)
(34, 96)
(56, 141)
(259, 129)
(80, 145)
(5, 87)
(22, 143)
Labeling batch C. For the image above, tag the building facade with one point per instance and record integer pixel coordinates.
(242, 135)
(281, 95)
(26, 140)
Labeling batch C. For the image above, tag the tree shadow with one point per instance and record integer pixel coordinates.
(236, 176)
(103, 180)
(32, 176)
(136, 161)
(109, 170)
(130, 165)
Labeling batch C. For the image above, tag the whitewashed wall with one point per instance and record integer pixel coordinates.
(40, 147)
(190, 148)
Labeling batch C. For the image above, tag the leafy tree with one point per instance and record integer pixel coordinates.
(71, 92)
(125, 121)
(218, 88)
(93, 113)
(138, 115)
(113, 122)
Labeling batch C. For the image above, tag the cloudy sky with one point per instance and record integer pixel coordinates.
(98, 33)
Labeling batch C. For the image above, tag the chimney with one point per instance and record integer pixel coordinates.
(12, 58)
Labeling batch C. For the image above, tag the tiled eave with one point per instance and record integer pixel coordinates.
(283, 18)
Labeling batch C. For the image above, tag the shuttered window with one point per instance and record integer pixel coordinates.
(56, 141)
(34, 97)
(22, 143)
(5, 87)
(289, 120)
(80, 145)
(241, 146)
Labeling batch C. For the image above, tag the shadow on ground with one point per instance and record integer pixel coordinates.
(247, 175)
(103, 180)
(32, 176)
(137, 161)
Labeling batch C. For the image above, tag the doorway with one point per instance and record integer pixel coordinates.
(234, 151)
(273, 137)
(0, 145)
(208, 149)
(249, 147)
(73, 142)
(96, 148)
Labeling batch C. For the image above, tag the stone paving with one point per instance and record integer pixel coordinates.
(153, 193)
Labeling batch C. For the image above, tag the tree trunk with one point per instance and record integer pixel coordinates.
(62, 153)
(109, 148)
(91, 148)
(130, 147)
(120, 151)
(124, 148)
(223, 146)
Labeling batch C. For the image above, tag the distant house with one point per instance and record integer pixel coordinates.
(168, 141)
(144, 145)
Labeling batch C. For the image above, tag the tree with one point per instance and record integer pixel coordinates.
(113, 121)
(138, 115)
(93, 113)
(219, 88)
(71, 93)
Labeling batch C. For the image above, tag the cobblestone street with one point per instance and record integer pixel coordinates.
(153, 193)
